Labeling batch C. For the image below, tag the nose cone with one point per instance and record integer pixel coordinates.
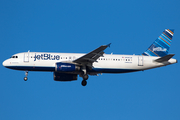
(5, 63)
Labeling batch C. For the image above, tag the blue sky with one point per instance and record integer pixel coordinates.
(80, 27)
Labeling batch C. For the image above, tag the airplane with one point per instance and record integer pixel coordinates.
(67, 66)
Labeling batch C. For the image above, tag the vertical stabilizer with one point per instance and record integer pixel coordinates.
(161, 45)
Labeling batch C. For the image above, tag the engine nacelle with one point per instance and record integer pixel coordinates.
(66, 67)
(64, 76)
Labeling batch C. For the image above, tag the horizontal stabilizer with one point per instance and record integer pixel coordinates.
(165, 58)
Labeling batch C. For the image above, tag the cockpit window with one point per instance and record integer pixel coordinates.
(14, 56)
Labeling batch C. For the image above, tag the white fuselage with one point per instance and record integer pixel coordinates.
(67, 66)
(109, 63)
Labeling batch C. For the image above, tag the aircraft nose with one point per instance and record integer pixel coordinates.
(4, 63)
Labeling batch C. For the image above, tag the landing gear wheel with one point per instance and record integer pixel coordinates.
(25, 78)
(84, 83)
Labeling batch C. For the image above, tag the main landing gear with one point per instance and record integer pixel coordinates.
(25, 78)
(84, 76)
(84, 82)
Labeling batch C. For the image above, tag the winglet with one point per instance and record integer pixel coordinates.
(108, 44)
(165, 58)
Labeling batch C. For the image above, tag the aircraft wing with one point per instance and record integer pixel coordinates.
(91, 57)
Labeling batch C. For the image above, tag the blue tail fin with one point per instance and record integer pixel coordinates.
(161, 45)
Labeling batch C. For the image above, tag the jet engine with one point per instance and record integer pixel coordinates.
(64, 76)
(66, 67)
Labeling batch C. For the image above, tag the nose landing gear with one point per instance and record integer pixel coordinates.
(25, 78)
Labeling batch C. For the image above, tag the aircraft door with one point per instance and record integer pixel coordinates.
(140, 61)
(26, 57)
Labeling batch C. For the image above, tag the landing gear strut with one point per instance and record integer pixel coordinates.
(84, 82)
(84, 76)
(25, 78)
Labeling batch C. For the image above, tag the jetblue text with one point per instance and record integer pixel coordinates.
(46, 57)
